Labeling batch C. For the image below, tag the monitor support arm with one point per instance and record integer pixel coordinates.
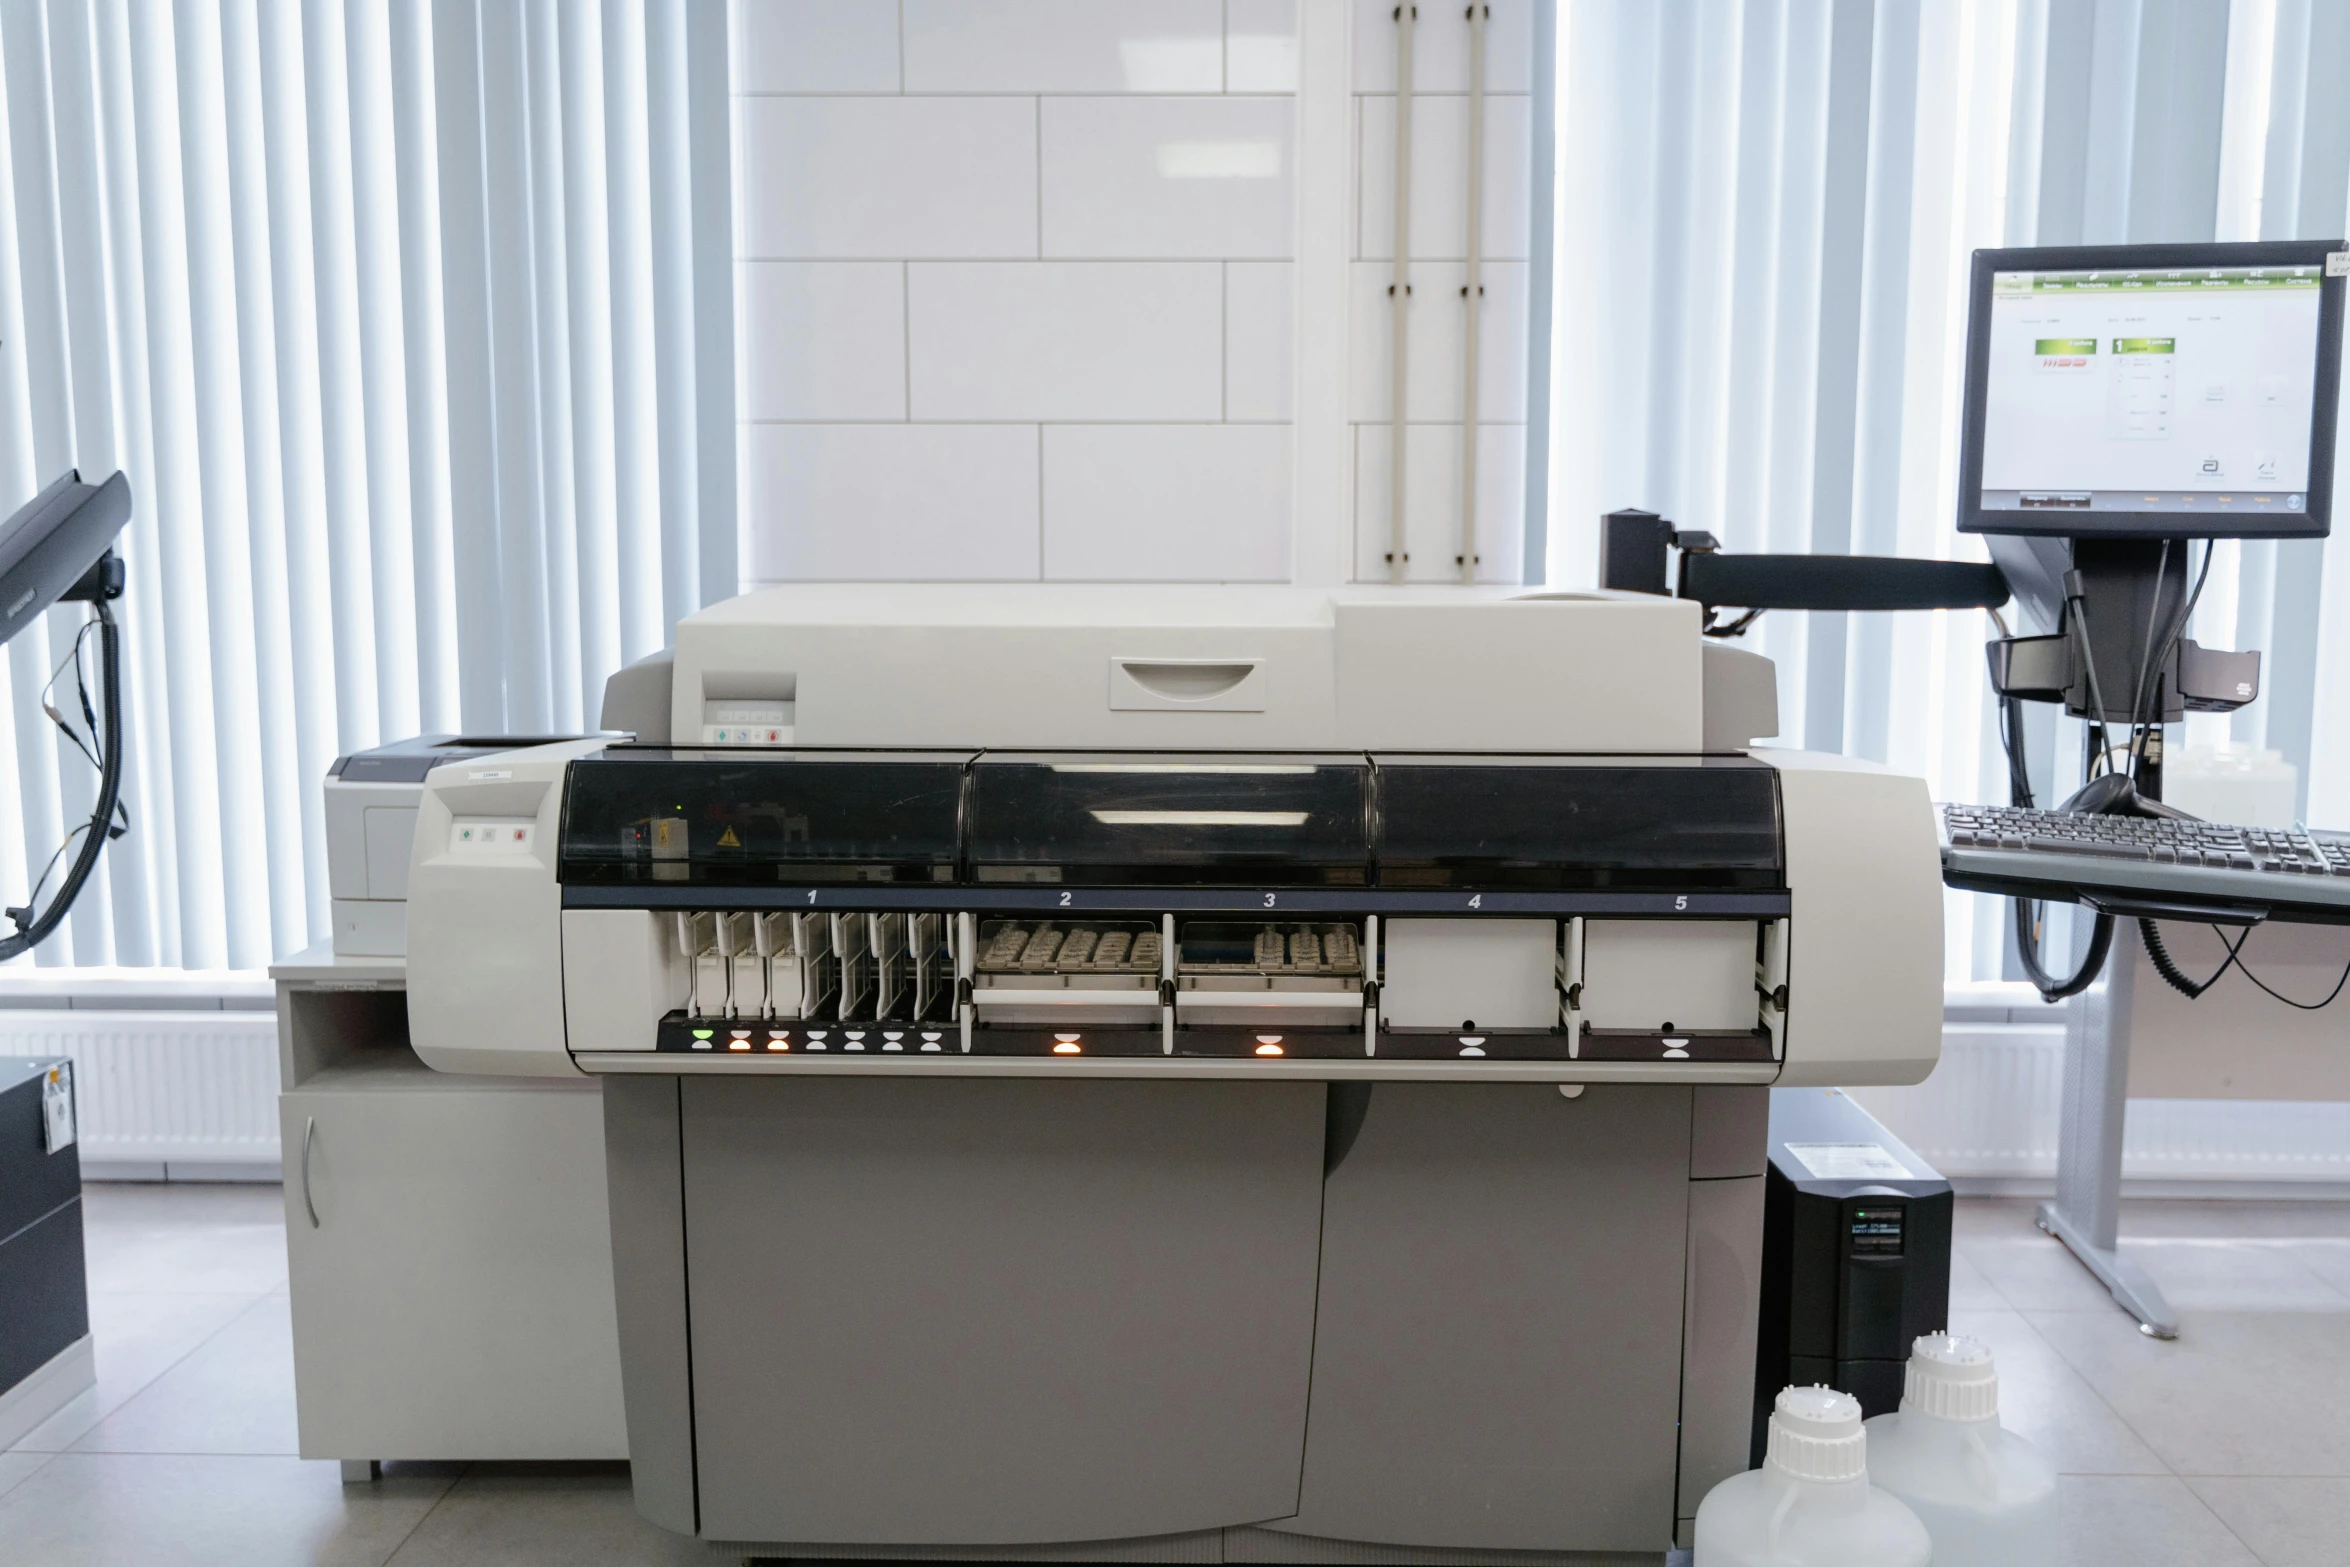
(1635, 556)
(98, 587)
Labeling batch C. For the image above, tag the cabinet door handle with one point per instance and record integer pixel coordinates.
(309, 1129)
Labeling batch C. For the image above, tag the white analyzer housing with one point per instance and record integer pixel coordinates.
(1192, 832)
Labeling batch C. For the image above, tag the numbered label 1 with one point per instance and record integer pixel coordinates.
(811, 895)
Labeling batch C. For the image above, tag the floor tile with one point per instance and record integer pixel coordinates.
(2046, 1402)
(2143, 1521)
(2032, 1271)
(1969, 1289)
(2287, 1522)
(559, 1515)
(2328, 1258)
(2234, 1394)
(179, 1510)
(2203, 1273)
(135, 1339)
(228, 1239)
(235, 1394)
(17, 1466)
(1993, 1215)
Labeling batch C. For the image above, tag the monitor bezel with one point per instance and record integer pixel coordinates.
(2313, 523)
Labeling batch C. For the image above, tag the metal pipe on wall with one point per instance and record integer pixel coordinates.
(1473, 291)
(1399, 292)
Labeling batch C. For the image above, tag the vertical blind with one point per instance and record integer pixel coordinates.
(411, 322)
(1765, 209)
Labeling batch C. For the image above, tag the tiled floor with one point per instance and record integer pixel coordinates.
(2230, 1445)
(183, 1455)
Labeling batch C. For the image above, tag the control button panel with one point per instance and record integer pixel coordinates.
(492, 834)
(748, 722)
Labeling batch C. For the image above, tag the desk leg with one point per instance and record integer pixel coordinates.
(360, 1471)
(2086, 1214)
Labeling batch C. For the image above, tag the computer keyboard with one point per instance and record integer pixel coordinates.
(2290, 873)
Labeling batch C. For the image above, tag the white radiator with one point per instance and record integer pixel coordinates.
(1990, 1112)
(162, 1088)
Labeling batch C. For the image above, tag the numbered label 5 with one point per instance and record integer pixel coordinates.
(1681, 902)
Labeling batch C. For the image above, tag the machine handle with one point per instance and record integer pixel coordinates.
(309, 1129)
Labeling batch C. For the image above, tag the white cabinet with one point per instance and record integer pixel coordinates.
(449, 1250)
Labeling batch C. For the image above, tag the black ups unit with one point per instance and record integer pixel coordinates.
(44, 1299)
(1856, 1254)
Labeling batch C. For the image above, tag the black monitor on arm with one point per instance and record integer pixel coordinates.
(2123, 403)
(59, 548)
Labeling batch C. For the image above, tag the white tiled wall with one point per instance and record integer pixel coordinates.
(1015, 280)
(1018, 291)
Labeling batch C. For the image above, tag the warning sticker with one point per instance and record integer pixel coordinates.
(1849, 1162)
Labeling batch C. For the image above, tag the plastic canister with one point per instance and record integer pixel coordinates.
(1811, 1503)
(1985, 1494)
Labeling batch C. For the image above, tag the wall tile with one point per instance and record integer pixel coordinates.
(1432, 479)
(816, 46)
(822, 340)
(1054, 46)
(1440, 161)
(1166, 503)
(1067, 340)
(1168, 177)
(869, 502)
(1440, 47)
(1260, 46)
(1437, 315)
(1260, 340)
(888, 177)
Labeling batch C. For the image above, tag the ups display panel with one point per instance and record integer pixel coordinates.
(1653, 826)
(1142, 820)
(732, 818)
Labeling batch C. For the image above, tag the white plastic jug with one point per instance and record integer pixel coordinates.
(1986, 1495)
(1810, 1504)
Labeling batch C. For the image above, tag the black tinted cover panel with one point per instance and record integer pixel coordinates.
(1247, 821)
(1633, 826)
(702, 818)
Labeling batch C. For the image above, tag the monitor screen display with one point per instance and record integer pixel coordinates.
(2120, 392)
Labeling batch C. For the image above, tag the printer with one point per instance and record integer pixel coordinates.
(1184, 1074)
(371, 800)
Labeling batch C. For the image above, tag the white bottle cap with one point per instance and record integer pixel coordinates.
(1952, 1378)
(1816, 1434)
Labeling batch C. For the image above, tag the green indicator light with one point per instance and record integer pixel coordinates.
(701, 1033)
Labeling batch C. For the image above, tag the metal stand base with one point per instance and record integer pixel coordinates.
(2132, 1290)
(2086, 1214)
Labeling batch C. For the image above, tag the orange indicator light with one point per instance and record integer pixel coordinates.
(738, 1044)
(1268, 1050)
(1067, 1045)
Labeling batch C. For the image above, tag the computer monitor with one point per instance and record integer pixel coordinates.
(2153, 391)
